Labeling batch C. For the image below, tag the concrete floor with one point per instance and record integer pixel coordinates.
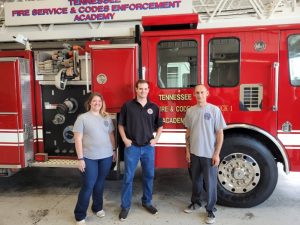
(47, 196)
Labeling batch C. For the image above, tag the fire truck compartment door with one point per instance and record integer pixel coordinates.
(114, 72)
(8, 85)
(15, 112)
(9, 138)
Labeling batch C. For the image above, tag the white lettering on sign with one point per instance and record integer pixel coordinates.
(74, 11)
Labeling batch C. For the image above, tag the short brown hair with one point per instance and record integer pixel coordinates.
(141, 81)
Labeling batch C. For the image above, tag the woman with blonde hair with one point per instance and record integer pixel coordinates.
(95, 148)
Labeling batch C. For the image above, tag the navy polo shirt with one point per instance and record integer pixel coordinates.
(140, 122)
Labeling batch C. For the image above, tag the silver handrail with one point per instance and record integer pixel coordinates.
(276, 68)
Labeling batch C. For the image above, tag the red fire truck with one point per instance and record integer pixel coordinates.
(252, 74)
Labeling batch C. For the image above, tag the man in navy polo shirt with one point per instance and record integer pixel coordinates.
(138, 120)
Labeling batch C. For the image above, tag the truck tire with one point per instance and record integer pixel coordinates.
(247, 173)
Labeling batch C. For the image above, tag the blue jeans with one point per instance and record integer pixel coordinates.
(132, 155)
(92, 184)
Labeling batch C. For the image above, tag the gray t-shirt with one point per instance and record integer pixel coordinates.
(203, 123)
(95, 129)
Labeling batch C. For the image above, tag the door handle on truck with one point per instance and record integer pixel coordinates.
(276, 68)
(87, 72)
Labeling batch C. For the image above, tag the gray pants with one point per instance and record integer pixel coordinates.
(202, 170)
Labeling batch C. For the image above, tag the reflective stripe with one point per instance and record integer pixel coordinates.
(6, 144)
(292, 131)
(290, 139)
(293, 148)
(21, 137)
(11, 130)
(9, 137)
(174, 130)
(172, 138)
(169, 145)
(38, 132)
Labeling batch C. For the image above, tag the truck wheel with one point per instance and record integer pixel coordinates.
(247, 173)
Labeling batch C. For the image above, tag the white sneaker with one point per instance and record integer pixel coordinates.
(210, 219)
(81, 222)
(100, 213)
(192, 207)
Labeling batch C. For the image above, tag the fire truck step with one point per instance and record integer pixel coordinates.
(56, 163)
(7, 172)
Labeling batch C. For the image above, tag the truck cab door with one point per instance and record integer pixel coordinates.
(171, 66)
(240, 75)
(289, 96)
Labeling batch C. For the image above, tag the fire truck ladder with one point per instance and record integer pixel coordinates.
(262, 9)
(225, 13)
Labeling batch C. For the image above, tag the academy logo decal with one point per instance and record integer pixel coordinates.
(207, 116)
(150, 111)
